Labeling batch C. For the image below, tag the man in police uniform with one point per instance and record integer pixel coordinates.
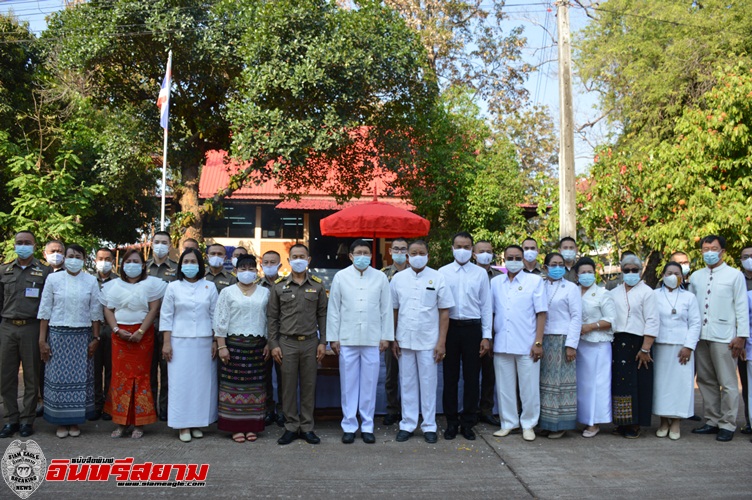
(296, 311)
(104, 262)
(568, 250)
(270, 263)
(161, 266)
(217, 274)
(21, 285)
(484, 255)
(398, 251)
(530, 256)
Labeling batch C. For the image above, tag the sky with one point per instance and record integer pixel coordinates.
(539, 21)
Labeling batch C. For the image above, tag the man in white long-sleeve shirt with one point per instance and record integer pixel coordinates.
(722, 296)
(360, 322)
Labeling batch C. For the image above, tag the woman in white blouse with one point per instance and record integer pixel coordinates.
(594, 351)
(561, 336)
(635, 327)
(185, 320)
(70, 309)
(674, 389)
(131, 304)
(240, 329)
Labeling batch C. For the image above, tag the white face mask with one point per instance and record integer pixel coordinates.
(246, 277)
(747, 264)
(54, 259)
(270, 271)
(234, 262)
(74, 265)
(299, 265)
(671, 281)
(484, 258)
(685, 269)
(418, 261)
(462, 255)
(514, 266)
(216, 261)
(530, 255)
(103, 266)
(160, 249)
(569, 255)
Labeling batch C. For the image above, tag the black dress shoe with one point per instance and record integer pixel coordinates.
(392, 418)
(288, 437)
(451, 432)
(368, 437)
(281, 420)
(8, 430)
(163, 416)
(26, 430)
(724, 435)
(403, 436)
(746, 429)
(490, 420)
(348, 437)
(96, 416)
(310, 437)
(468, 433)
(40, 410)
(431, 437)
(695, 418)
(106, 416)
(270, 418)
(705, 429)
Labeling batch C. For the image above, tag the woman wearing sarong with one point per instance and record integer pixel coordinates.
(240, 328)
(674, 391)
(185, 319)
(131, 304)
(635, 328)
(70, 309)
(561, 336)
(594, 351)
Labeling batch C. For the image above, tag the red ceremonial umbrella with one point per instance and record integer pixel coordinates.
(374, 219)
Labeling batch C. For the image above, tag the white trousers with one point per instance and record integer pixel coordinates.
(418, 375)
(511, 368)
(749, 381)
(594, 382)
(359, 377)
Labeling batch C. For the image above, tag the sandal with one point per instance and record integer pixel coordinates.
(238, 437)
(137, 433)
(117, 433)
(251, 436)
(74, 431)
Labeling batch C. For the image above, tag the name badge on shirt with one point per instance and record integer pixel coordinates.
(36, 273)
(32, 293)
(310, 290)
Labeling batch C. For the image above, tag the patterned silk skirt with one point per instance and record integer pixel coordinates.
(631, 389)
(69, 377)
(558, 386)
(242, 391)
(130, 401)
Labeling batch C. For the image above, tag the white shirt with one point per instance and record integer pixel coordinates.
(418, 297)
(360, 311)
(564, 311)
(131, 300)
(597, 306)
(749, 341)
(636, 312)
(238, 314)
(722, 301)
(471, 292)
(188, 308)
(683, 326)
(71, 301)
(515, 305)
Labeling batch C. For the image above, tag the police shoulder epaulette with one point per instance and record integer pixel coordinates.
(280, 279)
(258, 280)
(384, 269)
(316, 278)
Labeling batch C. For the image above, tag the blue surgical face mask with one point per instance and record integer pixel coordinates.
(556, 272)
(160, 249)
(132, 269)
(361, 262)
(586, 279)
(631, 279)
(399, 258)
(24, 251)
(299, 265)
(711, 258)
(569, 255)
(74, 265)
(190, 270)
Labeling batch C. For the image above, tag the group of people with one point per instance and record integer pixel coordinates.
(192, 344)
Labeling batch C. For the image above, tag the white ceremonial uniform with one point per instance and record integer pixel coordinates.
(515, 306)
(749, 349)
(359, 316)
(722, 300)
(417, 297)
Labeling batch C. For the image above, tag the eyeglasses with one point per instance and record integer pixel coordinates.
(513, 258)
(399, 250)
(746, 257)
(631, 271)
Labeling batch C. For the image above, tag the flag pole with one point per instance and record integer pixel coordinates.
(164, 179)
(164, 120)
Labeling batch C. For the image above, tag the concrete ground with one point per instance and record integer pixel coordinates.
(606, 466)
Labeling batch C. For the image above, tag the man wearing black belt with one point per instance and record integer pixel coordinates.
(270, 264)
(468, 337)
(296, 311)
(105, 259)
(21, 285)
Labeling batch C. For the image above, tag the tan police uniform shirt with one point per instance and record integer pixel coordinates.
(221, 280)
(166, 271)
(21, 289)
(390, 271)
(297, 309)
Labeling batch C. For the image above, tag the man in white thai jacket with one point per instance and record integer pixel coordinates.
(360, 325)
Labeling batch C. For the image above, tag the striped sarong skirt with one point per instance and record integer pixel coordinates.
(242, 391)
(558, 386)
(69, 377)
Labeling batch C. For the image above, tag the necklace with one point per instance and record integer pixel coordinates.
(555, 283)
(244, 290)
(673, 306)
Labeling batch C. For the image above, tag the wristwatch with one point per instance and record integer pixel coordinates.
(538, 344)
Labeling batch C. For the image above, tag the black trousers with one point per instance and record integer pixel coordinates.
(103, 367)
(487, 384)
(271, 406)
(462, 350)
(393, 405)
(159, 373)
(745, 389)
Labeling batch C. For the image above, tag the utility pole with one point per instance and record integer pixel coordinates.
(567, 195)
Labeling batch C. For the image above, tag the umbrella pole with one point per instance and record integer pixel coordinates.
(373, 253)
